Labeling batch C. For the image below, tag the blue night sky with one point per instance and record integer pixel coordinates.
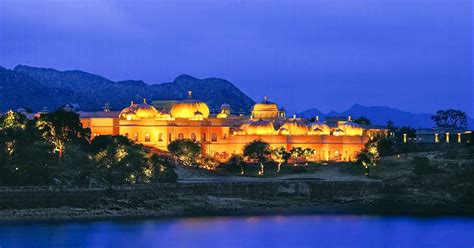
(414, 55)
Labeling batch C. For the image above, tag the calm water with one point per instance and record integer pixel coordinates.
(273, 231)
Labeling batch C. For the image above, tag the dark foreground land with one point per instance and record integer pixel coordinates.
(423, 183)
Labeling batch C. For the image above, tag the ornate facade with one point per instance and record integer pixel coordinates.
(223, 134)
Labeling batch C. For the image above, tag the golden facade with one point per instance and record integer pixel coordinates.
(224, 134)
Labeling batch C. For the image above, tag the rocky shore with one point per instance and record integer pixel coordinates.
(205, 199)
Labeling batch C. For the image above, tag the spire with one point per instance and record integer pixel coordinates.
(317, 117)
(349, 118)
(294, 117)
(144, 100)
(265, 99)
(131, 103)
(190, 94)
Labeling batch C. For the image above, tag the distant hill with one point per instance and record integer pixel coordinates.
(380, 115)
(35, 88)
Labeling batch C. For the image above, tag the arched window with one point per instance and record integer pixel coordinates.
(203, 137)
(214, 137)
(193, 136)
(160, 137)
(169, 137)
(147, 137)
(135, 137)
(180, 136)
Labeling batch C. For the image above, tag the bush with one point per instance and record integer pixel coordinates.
(162, 170)
(185, 151)
(235, 164)
(422, 166)
(385, 147)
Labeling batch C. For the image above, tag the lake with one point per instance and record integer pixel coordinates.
(261, 231)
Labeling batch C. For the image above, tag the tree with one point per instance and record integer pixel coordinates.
(61, 127)
(24, 158)
(391, 127)
(368, 156)
(450, 119)
(118, 160)
(409, 131)
(185, 151)
(13, 120)
(297, 152)
(161, 169)
(362, 120)
(236, 163)
(308, 153)
(385, 147)
(282, 156)
(259, 151)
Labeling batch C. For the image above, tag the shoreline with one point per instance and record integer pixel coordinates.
(72, 214)
(217, 199)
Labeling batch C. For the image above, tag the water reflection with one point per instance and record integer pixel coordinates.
(272, 231)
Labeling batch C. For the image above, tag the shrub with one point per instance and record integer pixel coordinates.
(161, 169)
(385, 147)
(185, 151)
(422, 166)
(235, 164)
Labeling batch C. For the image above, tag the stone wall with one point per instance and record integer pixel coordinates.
(36, 197)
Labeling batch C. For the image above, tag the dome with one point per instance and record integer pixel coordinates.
(187, 108)
(294, 127)
(319, 128)
(163, 116)
(222, 115)
(351, 128)
(138, 111)
(260, 127)
(225, 106)
(265, 110)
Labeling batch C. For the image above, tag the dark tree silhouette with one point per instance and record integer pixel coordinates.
(450, 119)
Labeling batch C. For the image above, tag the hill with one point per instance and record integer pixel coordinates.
(379, 115)
(33, 87)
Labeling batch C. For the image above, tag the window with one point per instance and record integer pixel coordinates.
(214, 137)
(203, 137)
(160, 137)
(147, 137)
(136, 137)
(180, 136)
(169, 137)
(193, 136)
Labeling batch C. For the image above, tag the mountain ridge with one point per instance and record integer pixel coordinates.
(379, 115)
(92, 91)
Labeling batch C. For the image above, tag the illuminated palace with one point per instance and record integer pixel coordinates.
(224, 134)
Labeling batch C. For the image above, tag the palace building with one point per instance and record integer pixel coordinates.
(225, 133)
